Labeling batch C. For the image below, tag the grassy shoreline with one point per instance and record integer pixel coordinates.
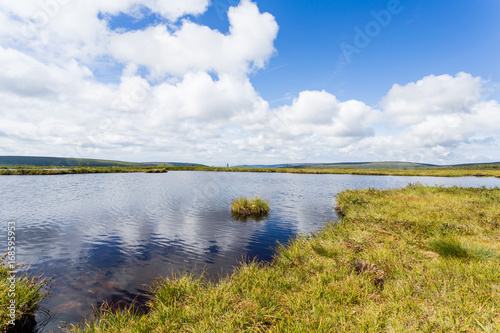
(39, 171)
(19, 296)
(428, 172)
(412, 259)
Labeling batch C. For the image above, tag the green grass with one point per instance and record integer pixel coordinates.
(28, 292)
(480, 171)
(419, 259)
(471, 171)
(250, 207)
(34, 170)
(453, 247)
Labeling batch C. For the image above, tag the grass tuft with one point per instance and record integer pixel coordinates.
(455, 248)
(26, 292)
(450, 247)
(256, 206)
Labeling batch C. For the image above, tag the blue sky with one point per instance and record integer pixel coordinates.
(423, 38)
(427, 37)
(251, 82)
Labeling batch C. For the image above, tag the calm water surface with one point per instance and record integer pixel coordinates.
(103, 237)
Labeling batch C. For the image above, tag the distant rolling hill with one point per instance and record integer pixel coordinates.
(73, 162)
(355, 165)
(369, 165)
(372, 165)
(491, 164)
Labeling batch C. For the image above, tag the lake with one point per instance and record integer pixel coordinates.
(103, 237)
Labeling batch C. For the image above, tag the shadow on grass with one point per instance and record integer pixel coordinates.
(454, 248)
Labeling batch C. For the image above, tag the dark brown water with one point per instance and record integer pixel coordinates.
(105, 236)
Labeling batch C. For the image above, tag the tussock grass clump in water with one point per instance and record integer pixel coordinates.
(25, 291)
(419, 259)
(244, 207)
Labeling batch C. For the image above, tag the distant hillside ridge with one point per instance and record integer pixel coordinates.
(373, 165)
(74, 162)
(46, 161)
(368, 165)
(476, 164)
(344, 165)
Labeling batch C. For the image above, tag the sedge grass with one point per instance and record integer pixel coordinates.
(419, 259)
(256, 206)
(25, 293)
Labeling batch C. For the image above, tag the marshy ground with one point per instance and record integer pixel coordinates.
(407, 260)
(472, 171)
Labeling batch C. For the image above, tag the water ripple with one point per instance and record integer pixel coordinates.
(104, 236)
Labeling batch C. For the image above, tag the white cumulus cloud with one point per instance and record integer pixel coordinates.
(438, 118)
(179, 90)
(193, 47)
